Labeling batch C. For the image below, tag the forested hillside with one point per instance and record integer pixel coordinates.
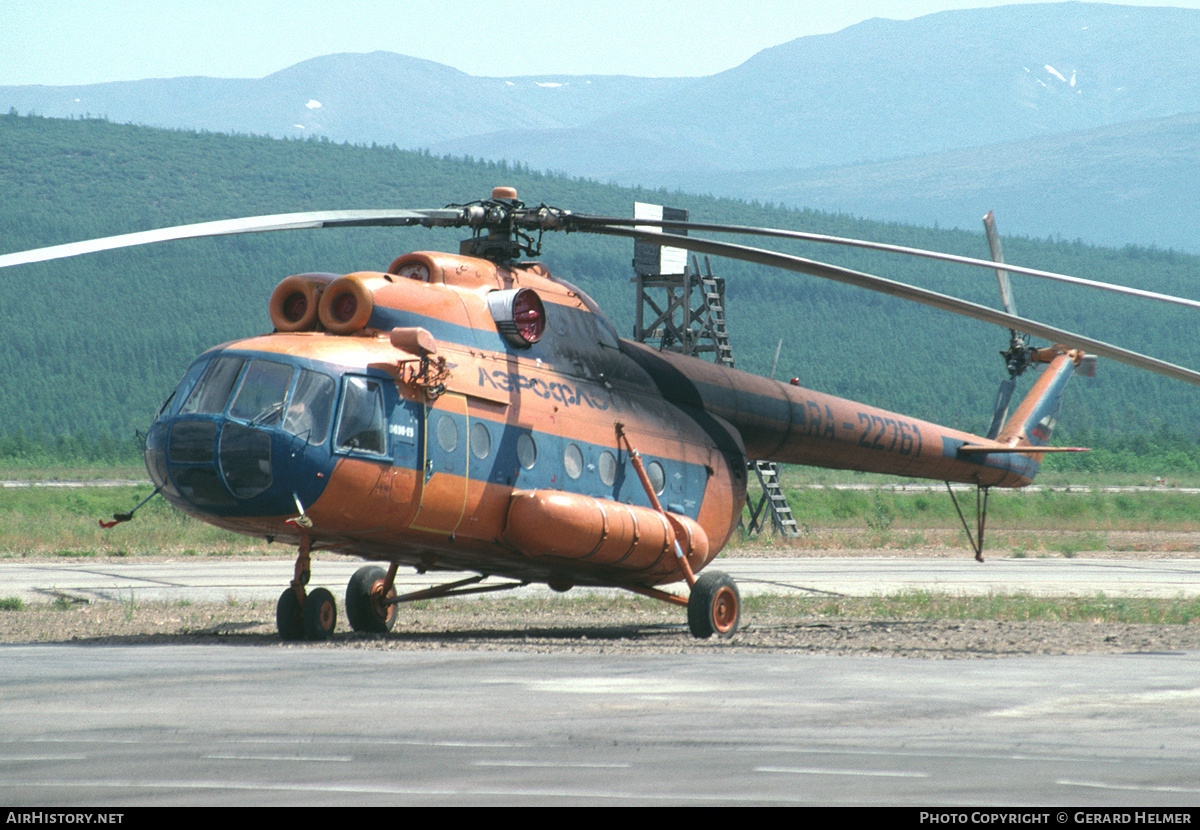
(92, 345)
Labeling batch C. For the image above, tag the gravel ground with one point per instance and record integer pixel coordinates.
(563, 626)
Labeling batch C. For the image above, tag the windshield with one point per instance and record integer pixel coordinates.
(259, 399)
(256, 392)
(211, 393)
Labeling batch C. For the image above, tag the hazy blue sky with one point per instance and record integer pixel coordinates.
(89, 41)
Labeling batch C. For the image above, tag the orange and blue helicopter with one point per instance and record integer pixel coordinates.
(471, 412)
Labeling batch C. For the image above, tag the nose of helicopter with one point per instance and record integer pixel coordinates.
(224, 468)
(243, 437)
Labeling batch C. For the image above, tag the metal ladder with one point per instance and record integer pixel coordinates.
(713, 291)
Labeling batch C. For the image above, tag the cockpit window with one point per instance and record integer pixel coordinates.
(362, 426)
(311, 410)
(184, 388)
(211, 393)
(259, 400)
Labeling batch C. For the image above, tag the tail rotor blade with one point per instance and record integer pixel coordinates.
(993, 238)
(1016, 358)
(1000, 413)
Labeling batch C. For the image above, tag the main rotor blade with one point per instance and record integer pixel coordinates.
(910, 292)
(580, 222)
(552, 219)
(226, 227)
(541, 217)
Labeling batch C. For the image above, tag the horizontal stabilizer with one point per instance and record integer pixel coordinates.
(1019, 448)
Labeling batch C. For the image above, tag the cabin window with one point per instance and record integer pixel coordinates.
(526, 451)
(481, 440)
(447, 433)
(573, 461)
(608, 468)
(211, 393)
(658, 478)
(259, 400)
(183, 390)
(192, 442)
(311, 411)
(362, 426)
(245, 460)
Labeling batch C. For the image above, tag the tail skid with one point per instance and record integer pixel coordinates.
(1029, 429)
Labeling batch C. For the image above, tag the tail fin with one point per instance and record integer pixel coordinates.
(1033, 422)
(1030, 427)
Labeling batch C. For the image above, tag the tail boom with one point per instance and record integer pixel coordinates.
(791, 425)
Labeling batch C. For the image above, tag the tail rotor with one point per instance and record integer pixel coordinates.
(1019, 356)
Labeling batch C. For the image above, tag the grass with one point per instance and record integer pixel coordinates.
(1020, 607)
(70, 472)
(128, 607)
(906, 605)
(63, 521)
(1061, 520)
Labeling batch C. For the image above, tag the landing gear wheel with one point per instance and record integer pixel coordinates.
(366, 604)
(320, 615)
(289, 616)
(714, 606)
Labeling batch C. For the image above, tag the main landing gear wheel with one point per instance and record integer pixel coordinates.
(320, 615)
(289, 616)
(366, 603)
(714, 606)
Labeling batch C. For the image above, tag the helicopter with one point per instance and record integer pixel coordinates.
(471, 412)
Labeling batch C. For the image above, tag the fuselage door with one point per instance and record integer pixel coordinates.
(444, 494)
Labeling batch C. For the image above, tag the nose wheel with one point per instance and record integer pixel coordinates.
(313, 618)
(320, 615)
(305, 616)
(289, 616)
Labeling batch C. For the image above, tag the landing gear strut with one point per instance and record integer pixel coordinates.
(981, 500)
(714, 604)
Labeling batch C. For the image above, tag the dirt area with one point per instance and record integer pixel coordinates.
(631, 625)
(582, 628)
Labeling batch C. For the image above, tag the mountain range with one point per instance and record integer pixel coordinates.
(1071, 120)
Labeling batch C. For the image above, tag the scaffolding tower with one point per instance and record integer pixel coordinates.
(683, 310)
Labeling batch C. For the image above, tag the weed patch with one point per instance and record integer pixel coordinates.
(1018, 607)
